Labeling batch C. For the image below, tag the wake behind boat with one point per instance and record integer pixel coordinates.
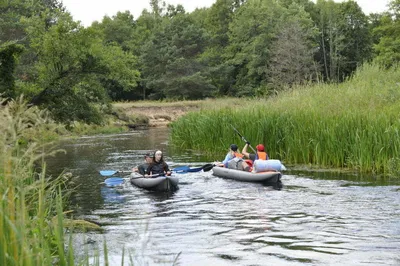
(269, 176)
(159, 183)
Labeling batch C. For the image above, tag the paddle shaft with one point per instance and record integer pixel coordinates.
(179, 170)
(244, 139)
(116, 181)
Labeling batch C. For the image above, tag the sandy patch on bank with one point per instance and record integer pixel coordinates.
(160, 116)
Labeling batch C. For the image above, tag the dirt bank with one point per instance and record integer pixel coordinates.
(157, 116)
(162, 116)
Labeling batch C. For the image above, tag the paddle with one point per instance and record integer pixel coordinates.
(179, 170)
(117, 181)
(112, 172)
(205, 168)
(244, 139)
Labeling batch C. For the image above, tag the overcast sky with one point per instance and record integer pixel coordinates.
(88, 11)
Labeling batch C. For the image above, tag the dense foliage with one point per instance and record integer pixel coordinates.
(235, 47)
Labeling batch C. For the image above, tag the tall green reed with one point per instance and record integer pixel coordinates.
(31, 208)
(351, 125)
(33, 223)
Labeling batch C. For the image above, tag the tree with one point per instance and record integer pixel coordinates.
(358, 41)
(251, 34)
(344, 38)
(14, 43)
(216, 22)
(293, 50)
(118, 29)
(75, 69)
(170, 64)
(8, 56)
(387, 49)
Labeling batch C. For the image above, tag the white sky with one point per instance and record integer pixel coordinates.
(88, 11)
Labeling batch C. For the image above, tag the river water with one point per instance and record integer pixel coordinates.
(314, 219)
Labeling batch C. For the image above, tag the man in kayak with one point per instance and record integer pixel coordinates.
(142, 169)
(261, 154)
(158, 166)
(234, 160)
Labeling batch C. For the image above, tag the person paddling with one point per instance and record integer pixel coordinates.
(234, 160)
(142, 169)
(158, 166)
(261, 153)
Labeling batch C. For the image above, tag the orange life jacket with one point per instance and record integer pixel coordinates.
(262, 155)
(239, 155)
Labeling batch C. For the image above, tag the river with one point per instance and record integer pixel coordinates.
(314, 219)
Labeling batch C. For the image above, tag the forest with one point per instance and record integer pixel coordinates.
(237, 48)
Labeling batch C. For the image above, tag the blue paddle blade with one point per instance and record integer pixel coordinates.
(197, 169)
(181, 170)
(114, 181)
(108, 172)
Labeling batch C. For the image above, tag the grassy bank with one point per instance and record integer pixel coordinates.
(32, 223)
(351, 125)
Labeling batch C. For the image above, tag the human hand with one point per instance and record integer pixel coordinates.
(219, 164)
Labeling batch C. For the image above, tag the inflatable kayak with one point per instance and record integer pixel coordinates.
(270, 176)
(159, 183)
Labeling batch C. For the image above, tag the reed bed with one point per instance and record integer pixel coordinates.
(352, 125)
(32, 229)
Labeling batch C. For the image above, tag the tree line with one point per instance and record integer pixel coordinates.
(238, 48)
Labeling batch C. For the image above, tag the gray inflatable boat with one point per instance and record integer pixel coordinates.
(159, 183)
(247, 176)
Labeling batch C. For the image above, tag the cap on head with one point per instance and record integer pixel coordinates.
(158, 153)
(234, 147)
(260, 147)
(147, 155)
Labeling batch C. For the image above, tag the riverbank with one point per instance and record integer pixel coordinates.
(154, 114)
(160, 114)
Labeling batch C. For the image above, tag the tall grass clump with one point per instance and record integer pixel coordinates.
(353, 125)
(31, 208)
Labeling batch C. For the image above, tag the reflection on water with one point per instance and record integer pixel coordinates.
(313, 219)
(112, 195)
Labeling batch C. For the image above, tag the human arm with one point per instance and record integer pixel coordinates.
(148, 171)
(143, 168)
(166, 169)
(228, 157)
(244, 150)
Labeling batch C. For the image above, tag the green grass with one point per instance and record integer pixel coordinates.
(352, 125)
(32, 223)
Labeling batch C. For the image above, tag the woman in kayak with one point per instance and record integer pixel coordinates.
(158, 166)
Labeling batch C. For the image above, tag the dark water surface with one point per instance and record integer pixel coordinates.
(315, 219)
